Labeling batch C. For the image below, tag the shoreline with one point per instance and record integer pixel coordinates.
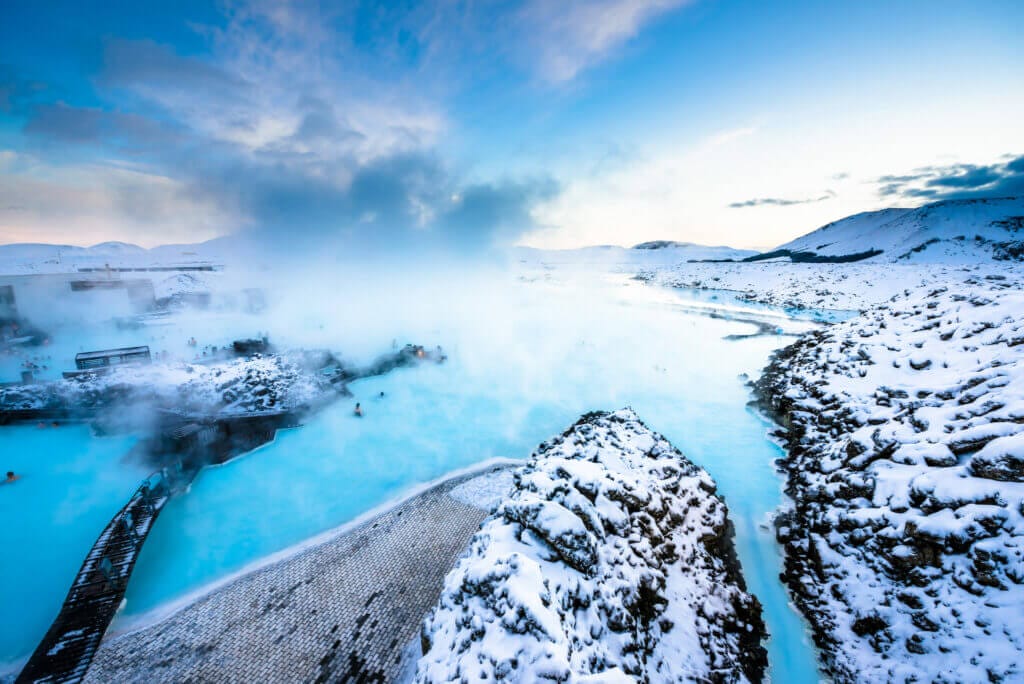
(170, 608)
(343, 605)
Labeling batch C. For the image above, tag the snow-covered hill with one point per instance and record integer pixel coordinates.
(34, 258)
(610, 561)
(950, 231)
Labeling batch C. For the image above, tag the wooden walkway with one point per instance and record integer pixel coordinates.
(68, 647)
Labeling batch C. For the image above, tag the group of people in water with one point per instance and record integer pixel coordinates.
(358, 412)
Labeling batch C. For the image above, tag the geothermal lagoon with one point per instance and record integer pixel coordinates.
(557, 349)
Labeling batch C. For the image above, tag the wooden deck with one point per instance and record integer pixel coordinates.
(65, 653)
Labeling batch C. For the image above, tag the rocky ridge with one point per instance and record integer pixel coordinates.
(611, 560)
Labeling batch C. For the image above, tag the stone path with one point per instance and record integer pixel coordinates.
(344, 611)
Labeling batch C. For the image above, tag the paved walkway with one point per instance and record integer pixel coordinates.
(344, 611)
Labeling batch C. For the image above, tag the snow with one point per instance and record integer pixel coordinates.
(624, 258)
(897, 457)
(610, 560)
(949, 231)
(847, 287)
(33, 258)
(276, 382)
(905, 541)
(485, 491)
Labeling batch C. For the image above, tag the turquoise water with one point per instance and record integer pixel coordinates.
(520, 370)
(70, 485)
(519, 383)
(729, 300)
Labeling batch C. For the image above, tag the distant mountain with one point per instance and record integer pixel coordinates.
(949, 231)
(28, 258)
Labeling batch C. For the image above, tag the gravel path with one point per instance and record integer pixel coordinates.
(344, 611)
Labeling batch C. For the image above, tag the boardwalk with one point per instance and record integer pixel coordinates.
(68, 647)
(346, 610)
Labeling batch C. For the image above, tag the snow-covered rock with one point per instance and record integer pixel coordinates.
(904, 545)
(611, 560)
(279, 382)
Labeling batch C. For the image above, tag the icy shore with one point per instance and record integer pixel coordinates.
(904, 428)
(611, 560)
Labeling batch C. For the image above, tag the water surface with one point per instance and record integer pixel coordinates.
(520, 371)
(71, 484)
(503, 391)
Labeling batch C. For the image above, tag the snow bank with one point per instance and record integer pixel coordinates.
(905, 435)
(610, 560)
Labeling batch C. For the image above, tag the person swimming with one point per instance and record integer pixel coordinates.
(11, 477)
(359, 410)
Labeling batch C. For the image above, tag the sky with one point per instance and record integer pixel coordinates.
(470, 124)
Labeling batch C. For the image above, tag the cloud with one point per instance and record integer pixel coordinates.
(573, 35)
(53, 126)
(271, 132)
(305, 192)
(62, 123)
(401, 203)
(301, 121)
(158, 69)
(17, 91)
(957, 181)
(778, 202)
(91, 203)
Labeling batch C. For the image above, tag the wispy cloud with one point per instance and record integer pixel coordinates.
(89, 203)
(726, 137)
(780, 202)
(573, 35)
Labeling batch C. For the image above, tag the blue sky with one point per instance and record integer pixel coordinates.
(473, 123)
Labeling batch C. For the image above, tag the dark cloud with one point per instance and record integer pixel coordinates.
(409, 200)
(128, 133)
(399, 203)
(1016, 166)
(957, 181)
(966, 176)
(132, 63)
(15, 90)
(779, 202)
(62, 123)
(494, 212)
